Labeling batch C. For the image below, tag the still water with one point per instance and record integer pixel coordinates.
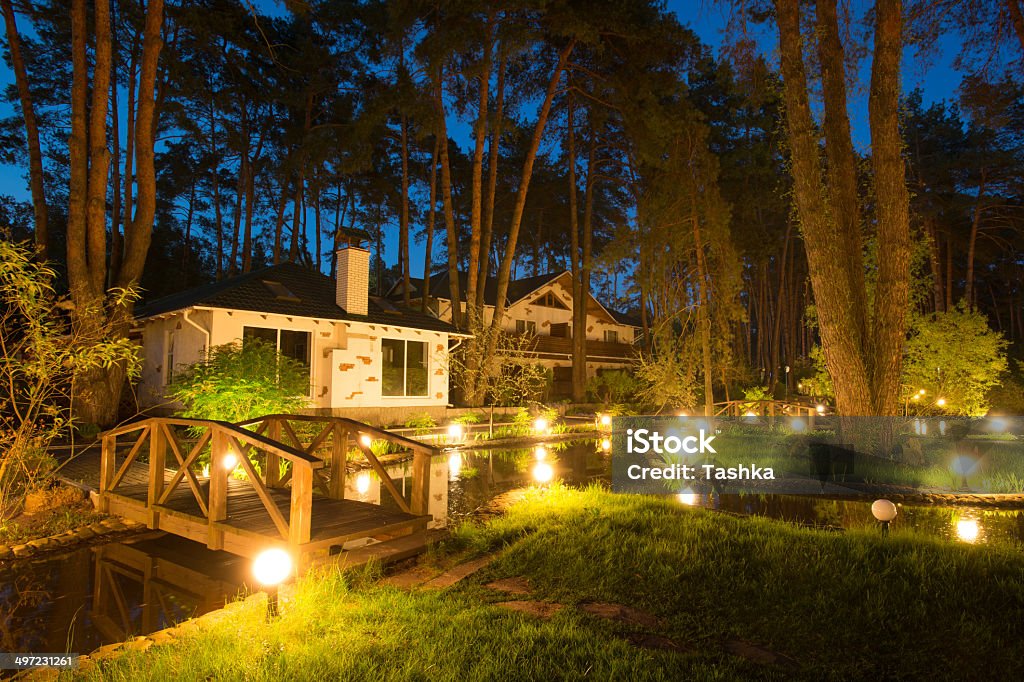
(79, 600)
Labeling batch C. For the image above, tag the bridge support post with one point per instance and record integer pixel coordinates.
(420, 482)
(157, 462)
(273, 475)
(339, 454)
(299, 523)
(218, 503)
(108, 453)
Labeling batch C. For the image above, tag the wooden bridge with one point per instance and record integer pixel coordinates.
(278, 480)
(767, 408)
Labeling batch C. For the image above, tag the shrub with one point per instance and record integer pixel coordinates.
(615, 386)
(42, 356)
(240, 381)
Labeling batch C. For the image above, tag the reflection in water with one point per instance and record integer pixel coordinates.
(968, 530)
(97, 595)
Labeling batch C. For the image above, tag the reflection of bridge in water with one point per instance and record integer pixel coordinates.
(276, 481)
(151, 584)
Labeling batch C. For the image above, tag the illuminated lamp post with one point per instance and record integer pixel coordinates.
(271, 568)
(884, 512)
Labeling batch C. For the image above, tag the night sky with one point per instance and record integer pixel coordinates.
(937, 79)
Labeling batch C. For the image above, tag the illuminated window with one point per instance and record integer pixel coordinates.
(288, 342)
(549, 300)
(403, 368)
(611, 336)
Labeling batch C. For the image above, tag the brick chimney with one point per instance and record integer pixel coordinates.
(353, 284)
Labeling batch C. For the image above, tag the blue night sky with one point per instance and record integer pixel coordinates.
(938, 80)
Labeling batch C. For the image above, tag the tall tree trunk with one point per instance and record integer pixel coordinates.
(586, 264)
(78, 256)
(579, 361)
(250, 205)
(892, 207)
(446, 199)
(403, 226)
(137, 241)
(279, 222)
(827, 256)
(979, 207)
(428, 249)
(704, 317)
(842, 162)
(35, 155)
(492, 182)
(477, 183)
(505, 268)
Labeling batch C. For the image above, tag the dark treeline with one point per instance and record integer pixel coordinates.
(207, 138)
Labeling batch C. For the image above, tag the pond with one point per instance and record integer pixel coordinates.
(79, 600)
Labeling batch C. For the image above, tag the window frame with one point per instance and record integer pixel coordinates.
(168, 357)
(405, 369)
(277, 347)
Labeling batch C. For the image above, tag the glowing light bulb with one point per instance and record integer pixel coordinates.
(688, 497)
(606, 445)
(456, 431)
(540, 425)
(941, 402)
(605, 421)
(272, 566)
(365, 440)
(820, 408)
(230, 460)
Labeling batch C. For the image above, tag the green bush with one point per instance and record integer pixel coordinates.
(422, 422)
(240, 381)
(615, 386)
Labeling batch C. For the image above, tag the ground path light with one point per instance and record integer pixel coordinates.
(884, 511)
(541, 425)
(230, 460)
(606, 445)
(456, 432)
(604, 421)
(271, 568)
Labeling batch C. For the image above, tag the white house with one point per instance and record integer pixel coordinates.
(365, 354)
(541, 307)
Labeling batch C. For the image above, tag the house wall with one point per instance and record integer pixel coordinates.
(189, 346)
(345, 357)
(545, 316)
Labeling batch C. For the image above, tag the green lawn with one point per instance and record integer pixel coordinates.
(842, 606)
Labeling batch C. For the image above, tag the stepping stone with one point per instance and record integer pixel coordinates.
(622, 614)
(458, 573)
(645, 640)
(756, 654)
(541, 609)
(408, 579)
(517, 585)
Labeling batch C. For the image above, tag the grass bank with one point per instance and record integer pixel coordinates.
(840, 606)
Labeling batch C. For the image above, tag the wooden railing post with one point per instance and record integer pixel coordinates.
(108, 453)
(273, 473)
(299, 524)
(420, 496)
(157, 462)
(339, 454)
(218, 503)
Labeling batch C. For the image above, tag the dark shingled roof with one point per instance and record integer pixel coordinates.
(517, 289)
(313, 295)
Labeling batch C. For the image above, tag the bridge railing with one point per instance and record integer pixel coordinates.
(332, 438)
(229, 446)
(765, 408)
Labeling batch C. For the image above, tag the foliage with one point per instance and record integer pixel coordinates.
(667, 375)
(42, 356)
(422, 422)
(510, 376)
(613, 386)
(240, 381)
(955, 356)
(819, 385)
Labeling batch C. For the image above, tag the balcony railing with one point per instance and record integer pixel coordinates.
(558, 345)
